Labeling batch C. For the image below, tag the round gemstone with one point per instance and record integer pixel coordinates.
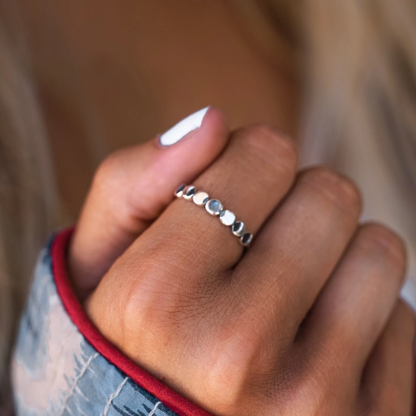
(189, 192)
(201, 198)
(246, 239)
(238, 228)
(227, 217)
(213, 206)
(179, 191)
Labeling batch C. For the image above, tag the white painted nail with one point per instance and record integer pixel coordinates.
(184, 127)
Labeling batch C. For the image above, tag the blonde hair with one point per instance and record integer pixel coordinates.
(27, 191)
(357, 61)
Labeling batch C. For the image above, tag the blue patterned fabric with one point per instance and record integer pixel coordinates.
(56, 372)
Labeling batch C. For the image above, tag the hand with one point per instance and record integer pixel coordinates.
(305, 322)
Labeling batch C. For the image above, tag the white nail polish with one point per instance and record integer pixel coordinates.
(180, 130)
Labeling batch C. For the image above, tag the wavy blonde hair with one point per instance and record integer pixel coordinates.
(357, 61)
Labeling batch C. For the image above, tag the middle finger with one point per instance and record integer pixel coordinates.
(295, 253)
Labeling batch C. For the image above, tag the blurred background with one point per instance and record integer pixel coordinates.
(111, 74)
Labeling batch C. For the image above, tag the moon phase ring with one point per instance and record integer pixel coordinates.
(214, 207)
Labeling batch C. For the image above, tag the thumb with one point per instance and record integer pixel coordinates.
(133, 186)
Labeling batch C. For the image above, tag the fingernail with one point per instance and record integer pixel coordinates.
(184, 127)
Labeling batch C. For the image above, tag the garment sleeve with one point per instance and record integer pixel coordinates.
(63, 366)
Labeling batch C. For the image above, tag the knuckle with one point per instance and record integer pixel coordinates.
(315, 396)
(108, 171)
(386, 243)
(159, 292)
(339, 189)
(272, 146)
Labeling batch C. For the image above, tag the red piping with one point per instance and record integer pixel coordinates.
(168, 397)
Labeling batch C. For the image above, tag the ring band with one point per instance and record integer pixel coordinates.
(215, 208)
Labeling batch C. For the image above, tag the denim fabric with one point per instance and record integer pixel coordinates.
(56, 372)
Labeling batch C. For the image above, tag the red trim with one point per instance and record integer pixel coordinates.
(168, 397)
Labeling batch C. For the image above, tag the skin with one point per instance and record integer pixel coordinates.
(306, 322)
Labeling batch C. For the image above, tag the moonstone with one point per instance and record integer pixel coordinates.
(227, 217)
(213, 206)
(201, 198)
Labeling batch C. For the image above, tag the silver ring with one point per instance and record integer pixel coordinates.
(215, 208)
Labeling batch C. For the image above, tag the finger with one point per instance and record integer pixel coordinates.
(388, 378)
(354, 307)
(250, 178)
(296, 251)
(133, 186)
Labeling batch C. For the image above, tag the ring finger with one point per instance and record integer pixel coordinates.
(250, 178)
(297, 250)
